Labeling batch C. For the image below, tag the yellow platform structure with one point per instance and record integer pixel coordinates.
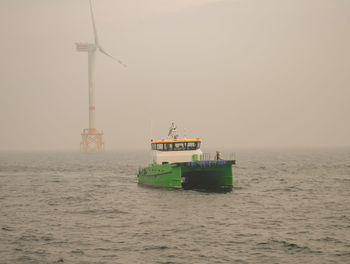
(91, 141)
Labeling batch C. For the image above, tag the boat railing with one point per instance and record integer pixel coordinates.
(202, 162)
(221, 156)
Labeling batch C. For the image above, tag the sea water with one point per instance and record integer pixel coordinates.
(287, 206)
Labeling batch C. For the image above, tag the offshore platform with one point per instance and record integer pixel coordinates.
(91, 137)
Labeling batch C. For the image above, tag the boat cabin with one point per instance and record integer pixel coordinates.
(175, 150)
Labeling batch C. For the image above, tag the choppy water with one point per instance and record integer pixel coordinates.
(287, 207)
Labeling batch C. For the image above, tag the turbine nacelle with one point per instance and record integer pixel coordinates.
(88, 47)
(85, 47)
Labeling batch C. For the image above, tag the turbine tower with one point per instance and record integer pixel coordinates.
(91, 137)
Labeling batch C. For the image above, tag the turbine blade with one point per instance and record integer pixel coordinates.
(93, 24)
(105, 53)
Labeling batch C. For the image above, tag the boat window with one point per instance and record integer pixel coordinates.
(160, 146)
(178, 146)
(193, 145)
(169, 147)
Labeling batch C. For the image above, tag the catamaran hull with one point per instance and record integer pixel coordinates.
(181, 175)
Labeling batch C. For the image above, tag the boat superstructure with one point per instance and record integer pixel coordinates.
(179, 162)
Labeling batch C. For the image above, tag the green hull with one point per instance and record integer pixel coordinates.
(180, 175)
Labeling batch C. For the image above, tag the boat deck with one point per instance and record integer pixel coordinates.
(206, 163)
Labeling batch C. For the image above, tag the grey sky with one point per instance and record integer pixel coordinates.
(240, 73)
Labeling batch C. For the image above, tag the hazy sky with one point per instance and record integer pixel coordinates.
(240, 73)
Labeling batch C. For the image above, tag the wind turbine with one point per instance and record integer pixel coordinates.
(91, 137)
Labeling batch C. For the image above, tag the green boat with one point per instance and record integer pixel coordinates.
(179, 163)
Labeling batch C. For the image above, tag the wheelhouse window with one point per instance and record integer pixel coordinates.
(157, 146)
(176, 146)
(193, 145)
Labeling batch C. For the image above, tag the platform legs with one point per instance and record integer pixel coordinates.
(91, 141)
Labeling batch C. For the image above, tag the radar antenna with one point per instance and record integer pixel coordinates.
(172, 131)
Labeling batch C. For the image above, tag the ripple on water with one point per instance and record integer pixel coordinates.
(286, 207)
